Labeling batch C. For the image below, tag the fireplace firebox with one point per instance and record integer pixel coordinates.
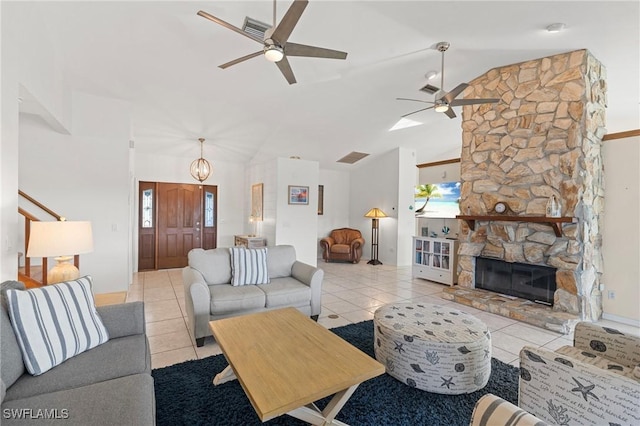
(533, 282)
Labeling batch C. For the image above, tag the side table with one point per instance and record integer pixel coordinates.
(250, 241)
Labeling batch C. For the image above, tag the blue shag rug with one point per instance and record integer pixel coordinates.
(185, 395)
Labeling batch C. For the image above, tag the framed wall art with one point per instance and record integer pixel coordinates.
(438, 200)
(320, 199)
(256, 201)
(298, 194)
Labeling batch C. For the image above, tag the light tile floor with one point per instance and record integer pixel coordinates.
(350, 294)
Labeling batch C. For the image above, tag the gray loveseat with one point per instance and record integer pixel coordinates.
(108, 385)
(209, 294)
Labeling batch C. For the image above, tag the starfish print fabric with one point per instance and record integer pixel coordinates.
(590, 383)
(432, 347)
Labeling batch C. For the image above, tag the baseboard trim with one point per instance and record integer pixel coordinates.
(622, 320)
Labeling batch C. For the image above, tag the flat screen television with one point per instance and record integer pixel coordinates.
(437, 200)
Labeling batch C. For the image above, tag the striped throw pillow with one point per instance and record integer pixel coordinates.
(491, 410)
(248, 266)
(55, 323)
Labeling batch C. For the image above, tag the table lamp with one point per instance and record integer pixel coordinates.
(60, 240)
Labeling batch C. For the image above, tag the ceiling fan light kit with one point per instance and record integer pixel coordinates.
(275, 45)
(445, 100)
(441, 107)
(273, 53)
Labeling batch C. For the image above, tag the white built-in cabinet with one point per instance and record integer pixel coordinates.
(435, 259)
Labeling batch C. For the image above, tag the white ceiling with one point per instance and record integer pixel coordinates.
(163, 58)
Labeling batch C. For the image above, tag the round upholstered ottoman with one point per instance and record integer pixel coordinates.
(434, 348)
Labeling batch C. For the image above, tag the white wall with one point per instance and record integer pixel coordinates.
(27, 60)
(336, 203)
(407, 177)
(85, 176)
(441, 173)
(377, 183)
(265, 173)
(298, 224)
(9, 223)
(621, 233)
(229, 177)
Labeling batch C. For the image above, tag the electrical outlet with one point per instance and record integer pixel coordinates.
(611, 294)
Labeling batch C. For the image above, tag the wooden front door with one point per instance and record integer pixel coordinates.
(179, 223)
(175, 218)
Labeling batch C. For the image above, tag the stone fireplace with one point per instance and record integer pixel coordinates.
(542, 139)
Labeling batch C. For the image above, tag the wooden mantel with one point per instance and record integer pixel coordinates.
(554, 222)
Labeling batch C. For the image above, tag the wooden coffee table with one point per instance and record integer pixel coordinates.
(285, 362)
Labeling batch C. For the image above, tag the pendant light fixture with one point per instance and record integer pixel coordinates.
(200, 168)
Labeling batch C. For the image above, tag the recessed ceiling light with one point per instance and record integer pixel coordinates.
(556, 28)
(403, 123)
(431, 75)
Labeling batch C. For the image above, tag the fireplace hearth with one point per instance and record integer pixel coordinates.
(532, 282)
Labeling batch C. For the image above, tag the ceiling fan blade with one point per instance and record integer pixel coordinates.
(244, 58)
(228, 25)
(450, 113)
(457, 102)
(289, 21)
(414, 100)
(449, 97)
(420, 110)
(295, 49)
(286, 70)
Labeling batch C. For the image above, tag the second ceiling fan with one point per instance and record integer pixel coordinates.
(444, 101)
(276, 47)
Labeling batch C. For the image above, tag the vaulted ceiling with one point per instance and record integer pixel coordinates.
(163, 59)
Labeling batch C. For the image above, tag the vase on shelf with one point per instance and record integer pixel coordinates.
(553, 207)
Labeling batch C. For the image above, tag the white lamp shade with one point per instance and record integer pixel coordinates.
(49, 239)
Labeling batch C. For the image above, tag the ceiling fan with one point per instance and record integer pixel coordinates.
(444, 101)
(276, 47)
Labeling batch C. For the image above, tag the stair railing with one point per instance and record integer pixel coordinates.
(28, 218)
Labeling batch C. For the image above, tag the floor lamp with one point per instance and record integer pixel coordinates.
(375, 214)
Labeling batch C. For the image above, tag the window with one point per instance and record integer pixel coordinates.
(147, 208)
(208, 209)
